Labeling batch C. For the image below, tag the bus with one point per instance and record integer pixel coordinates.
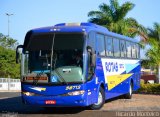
(77, 65)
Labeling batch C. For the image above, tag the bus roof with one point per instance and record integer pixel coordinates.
(72, 27)
(77, 28)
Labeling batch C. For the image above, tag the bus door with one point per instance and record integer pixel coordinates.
(90, 68)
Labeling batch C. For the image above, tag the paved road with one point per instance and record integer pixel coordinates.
(139, 102)
(10, 103)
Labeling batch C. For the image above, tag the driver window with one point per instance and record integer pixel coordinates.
(91, 45)
(91, 41)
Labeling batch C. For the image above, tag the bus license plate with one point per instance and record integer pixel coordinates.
(50, 102)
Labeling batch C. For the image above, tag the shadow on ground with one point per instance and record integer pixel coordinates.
(15, 105)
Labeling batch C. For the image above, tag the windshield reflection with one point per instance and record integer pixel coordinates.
(63, 64)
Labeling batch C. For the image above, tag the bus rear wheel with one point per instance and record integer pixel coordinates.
(129, 94)
(101, 100)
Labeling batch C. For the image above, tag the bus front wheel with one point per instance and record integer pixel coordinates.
(101, 100)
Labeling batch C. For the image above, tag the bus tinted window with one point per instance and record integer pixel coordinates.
(109, 46)
(116, 47)
(123, 48)
(129, 47)
(133, 50)
(137, 51)
(91, 40)
(100, 45)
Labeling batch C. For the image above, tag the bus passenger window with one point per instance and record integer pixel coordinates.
(123, 48)
(133, 50)
(109, 46)
(137, 51)
(128, 46)
(116, 48)
(100, 45)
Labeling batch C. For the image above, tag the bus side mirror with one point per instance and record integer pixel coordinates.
(17, 57)
(91, 59)
(92, 56)
(89, 49)
(17, 53)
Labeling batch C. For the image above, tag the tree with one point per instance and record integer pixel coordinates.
(113, 17)
(8, 67)
(153, 53)
(7, 42)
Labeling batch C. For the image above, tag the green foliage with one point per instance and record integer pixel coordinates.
(148, 64)
(149, 88)
(154, 41)
(8, 67)
(153, 53)
(113, 17)
(7, 42)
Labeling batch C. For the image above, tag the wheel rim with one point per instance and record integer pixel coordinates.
(100, 99)
(130, 90)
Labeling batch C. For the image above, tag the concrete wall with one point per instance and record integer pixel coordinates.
(9, 84)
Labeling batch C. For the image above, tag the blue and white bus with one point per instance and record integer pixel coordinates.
(77, 64)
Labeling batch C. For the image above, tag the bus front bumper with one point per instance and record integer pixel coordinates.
(56, 101)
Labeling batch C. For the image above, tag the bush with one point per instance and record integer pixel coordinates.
(149, 88)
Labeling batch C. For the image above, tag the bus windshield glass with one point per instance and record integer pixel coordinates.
(62, 65)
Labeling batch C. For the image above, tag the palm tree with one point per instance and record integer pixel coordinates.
(113, 17)
(154, 41)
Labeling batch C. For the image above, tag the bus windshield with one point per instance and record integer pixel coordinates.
(63, 64)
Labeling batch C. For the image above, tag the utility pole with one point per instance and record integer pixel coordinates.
(8, 15)
(8, 21)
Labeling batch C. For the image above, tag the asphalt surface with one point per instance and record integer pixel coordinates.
(12, 106)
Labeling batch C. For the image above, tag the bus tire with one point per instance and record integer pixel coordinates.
(101, 100)
(129, 94)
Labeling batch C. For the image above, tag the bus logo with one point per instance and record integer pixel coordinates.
(38, 88)
(121, 66)
(111, 66)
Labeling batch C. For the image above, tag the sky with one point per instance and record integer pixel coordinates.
(29, 14)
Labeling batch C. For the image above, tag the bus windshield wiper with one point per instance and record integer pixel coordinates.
(60, 76)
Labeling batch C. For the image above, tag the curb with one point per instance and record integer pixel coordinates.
(10, 91)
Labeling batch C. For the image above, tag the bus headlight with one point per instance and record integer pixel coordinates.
(81, 92)
(28, 93)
